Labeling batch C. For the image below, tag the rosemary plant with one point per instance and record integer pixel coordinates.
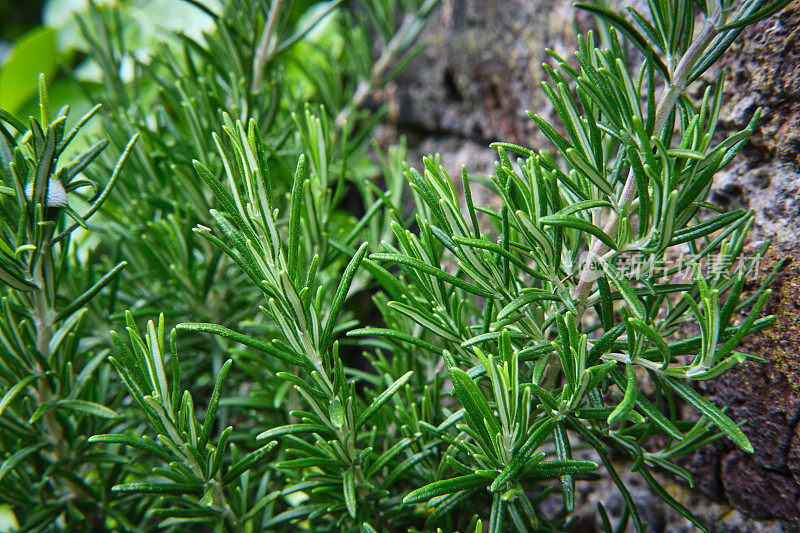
(272, 62)
(55, 391)
(541, 330)
(257, 62)
(547, 335)
(502, 366)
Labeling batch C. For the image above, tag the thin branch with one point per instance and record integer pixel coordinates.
(265, 46)
(663, 110)
(365, 87)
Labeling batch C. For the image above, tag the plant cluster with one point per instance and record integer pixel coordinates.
(507, 363)
(55, 391)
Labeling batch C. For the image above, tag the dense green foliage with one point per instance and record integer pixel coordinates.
(249, 212)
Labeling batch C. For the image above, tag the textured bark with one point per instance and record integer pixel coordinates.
(481, 71)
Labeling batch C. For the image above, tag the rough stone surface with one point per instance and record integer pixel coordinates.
(765, 483)
(481, 69)
(719, 516)
(763, 70)
(478, 75)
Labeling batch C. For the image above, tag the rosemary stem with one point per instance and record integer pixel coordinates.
(43, 323)
(365, 87)
(265, 46)
(665, 107)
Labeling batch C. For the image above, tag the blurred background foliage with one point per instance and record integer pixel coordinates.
(45, 36)
(18, 18)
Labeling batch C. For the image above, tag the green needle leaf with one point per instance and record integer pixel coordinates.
(91, 408)
(378, 402)
(580, 225)
(432, 270)
(628, 401)
(720, 419)
(12, 393)
(213, 403)
(90, 292)
(159, 488)
(447, 486)
(522, 455)
(349, 487)
(295, 206)
(341, 295)
(247, 462)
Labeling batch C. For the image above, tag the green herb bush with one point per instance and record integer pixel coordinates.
(498, 342)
